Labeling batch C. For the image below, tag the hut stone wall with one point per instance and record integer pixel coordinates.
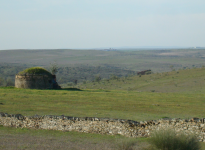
(33, 81)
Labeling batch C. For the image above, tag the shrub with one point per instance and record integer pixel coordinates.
(54, 67)
(2, 82)
(168, 139)
(114, 77)
(97, 78)
(70, 84)
(9, 82)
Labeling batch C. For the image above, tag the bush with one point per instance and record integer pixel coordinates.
(54, 67)
(9, 82)
(168, 139)
(114, 77)
(97, 78)
(2, 82)
(70, 84)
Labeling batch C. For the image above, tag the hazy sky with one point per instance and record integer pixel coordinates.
(101, 23)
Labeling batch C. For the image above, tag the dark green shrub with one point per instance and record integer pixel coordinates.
(168, 139)
(114, 77)
(70, 84)
(97, 78)
(9, 82)
(54, 67)
(2, 81)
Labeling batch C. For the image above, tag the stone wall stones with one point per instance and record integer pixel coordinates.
(128, 128)
(33, 81)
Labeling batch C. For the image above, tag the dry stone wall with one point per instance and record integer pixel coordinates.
(33, 81)
(127, 128)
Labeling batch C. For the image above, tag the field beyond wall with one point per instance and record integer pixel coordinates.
(133, 105)
(177, 94)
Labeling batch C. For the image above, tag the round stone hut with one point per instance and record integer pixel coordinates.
(36, 78)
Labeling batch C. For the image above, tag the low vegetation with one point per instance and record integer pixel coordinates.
(17, 138)
(169, 139)
(22, 138)
(35, 70)
(133, 105)
(66, 75)
(180, 81)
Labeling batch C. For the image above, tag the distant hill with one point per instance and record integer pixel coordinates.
(188, 80)
(85, 65)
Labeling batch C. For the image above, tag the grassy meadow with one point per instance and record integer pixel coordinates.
(179, 93)
(100, 103)
(148, 97)
(176, 94)
(180, 81)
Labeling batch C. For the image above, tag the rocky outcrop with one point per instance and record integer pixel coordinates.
(123, 127)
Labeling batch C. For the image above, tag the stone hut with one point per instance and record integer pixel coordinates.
(36, 78)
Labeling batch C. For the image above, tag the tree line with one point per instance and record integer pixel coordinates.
(67, 74)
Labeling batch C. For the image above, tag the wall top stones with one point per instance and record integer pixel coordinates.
(136, 123)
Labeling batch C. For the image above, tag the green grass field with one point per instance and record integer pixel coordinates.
(138, 102)
(100, 103)
(170, 94)
(176, 94)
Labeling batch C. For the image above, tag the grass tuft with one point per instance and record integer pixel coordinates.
(169, 139)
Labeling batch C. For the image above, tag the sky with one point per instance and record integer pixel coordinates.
(73, 24)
